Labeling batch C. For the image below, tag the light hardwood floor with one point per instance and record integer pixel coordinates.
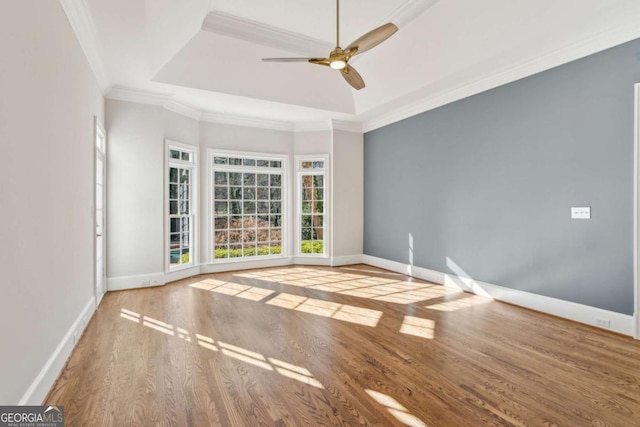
(340, 346)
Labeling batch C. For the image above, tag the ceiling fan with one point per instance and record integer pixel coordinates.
(339, 58)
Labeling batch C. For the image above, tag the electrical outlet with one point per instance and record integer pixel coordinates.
(605, 323)
(581, 213)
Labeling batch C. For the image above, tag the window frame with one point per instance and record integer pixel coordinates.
(194, 180)
(286, 208)
(326, 200)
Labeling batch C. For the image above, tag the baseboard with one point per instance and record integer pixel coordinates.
(338, 261)
(620, 323)
(636, 323)
(47, 376)
(245, 265)
(120, 283)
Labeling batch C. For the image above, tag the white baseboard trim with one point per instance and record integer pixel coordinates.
(308, 260)
(338, 261)
(620, 323)
(47, 376)
(245, 265)
(120, 283)
(636, 323)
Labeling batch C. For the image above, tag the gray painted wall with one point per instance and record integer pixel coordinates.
(488, 182)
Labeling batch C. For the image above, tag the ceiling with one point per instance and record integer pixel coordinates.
(204, 55)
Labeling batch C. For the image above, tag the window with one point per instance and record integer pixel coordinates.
(247, 205)
(312, 190)
(181, 190)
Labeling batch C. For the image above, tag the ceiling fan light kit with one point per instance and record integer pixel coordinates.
(339, 58)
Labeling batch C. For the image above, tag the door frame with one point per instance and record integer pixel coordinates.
(636, 212)
(99, 131)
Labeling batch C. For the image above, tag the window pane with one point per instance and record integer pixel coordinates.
(276, 194)
(276, 220)
(263, 207)
(235, 161)
(185, 258)
(262, 179)
(173, 208)
(221, 237)
(305, 164)
(249, 236)
(276, 248)
(263, 193)
(235, 251)
(173, 174)
(175, 225)
(263, 234)
(221, 252)
(248, 162)
(221, 178)
(184, 225)
(220, 160)
(318, 165)
(263, 163)
(263, 221)
(235, 207)
(235, 193)
(276, 180)
(305, 220)
(174, 154)
(318, 194)
(221, 193)
(249, 207)
(174, 240)
(249, 221)
(318, 181)
(276, 164)
(185, 240)
(221, 208)
(235, 178)
(276, 234)
(173, 191)
(184, 176)
(318, 207)
(186, 156)
(174, 257)
(221, 223)
(262, 250)
(305, 234)
(235, 236)
(249, 179)
(236, 222)
(276, 207)
(249, 193)
(306, 207)
(317, 247)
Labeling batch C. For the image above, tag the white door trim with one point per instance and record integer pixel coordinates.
(636, 212)
(99, 132)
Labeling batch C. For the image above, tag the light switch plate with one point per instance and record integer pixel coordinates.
(581, 213)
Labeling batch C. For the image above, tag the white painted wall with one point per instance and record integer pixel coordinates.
(48, 101)
(348, 194)
(135, 179)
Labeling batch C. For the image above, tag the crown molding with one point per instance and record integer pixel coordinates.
(164, 100)
(408, 11)
(81, 22)
(313, 126)
(347, 126)
(263, 34)
(564, 55)
(253, 122)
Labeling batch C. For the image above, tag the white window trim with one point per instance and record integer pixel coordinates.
(327, 203)
(195, 193)
(286, 204)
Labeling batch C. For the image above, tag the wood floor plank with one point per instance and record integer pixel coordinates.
(355, 345)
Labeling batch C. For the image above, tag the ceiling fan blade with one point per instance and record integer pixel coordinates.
(373, 38)
(352, 77)
(288, 59)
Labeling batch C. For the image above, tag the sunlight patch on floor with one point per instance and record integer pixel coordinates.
(285, 369)
(396, 409)
(357, 285)
(419, 327)
(347, 313)
(458, 304)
